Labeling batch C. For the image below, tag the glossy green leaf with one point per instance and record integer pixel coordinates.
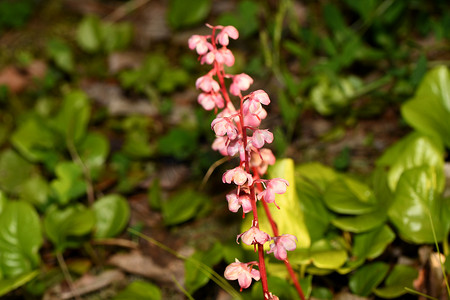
(73, 117)
(35, 140)
(89, 35)
(69, 183)
(182, 206)
(326, 254)
(195, 277)
(317, 216)
(20, 239)
(429, 110)
(317, 174)
(111, 214)
(418, 206)
(94, 150)
(139, 290)
(367, 278)
(401, 276)
(14, 171)
(290, 218)
(348, 196)
(65, 227)
(10, 284)
(371, 244)
(361, 223)
(412, 151)
(198, 11)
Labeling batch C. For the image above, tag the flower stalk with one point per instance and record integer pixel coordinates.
(238, 133)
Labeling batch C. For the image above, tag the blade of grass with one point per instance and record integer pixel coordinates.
(419, 293)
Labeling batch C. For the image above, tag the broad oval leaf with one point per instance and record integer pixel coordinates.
(198, 11)
(367, 278)
(69, 183)
(418, 206)
(182, 206)
(20, 239)
(402, 276)
(414, 150)
(7, 285)
(14, 171)
(348, 196)
(361, 223)
(111, 214)
(65, 227)
(372, 243)
(327, 254)
(429, 110)
(93, 151)
(88, 34)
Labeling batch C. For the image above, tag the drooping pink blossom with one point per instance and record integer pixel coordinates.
(220, 144)
(200, 44)
(207, 84)
(260, 96)
(210, 100)
(261, 136)
(222, 56)
(261, 160)
(238, 176)
(236, 201)
(224, 126)
(281, 244)
(241, 82)
(253, 236)
(273, 186)
(243, 272)
(227, 31)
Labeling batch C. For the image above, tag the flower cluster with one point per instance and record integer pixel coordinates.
(238, 132)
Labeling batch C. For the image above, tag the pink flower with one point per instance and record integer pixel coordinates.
(261, 160)
(253, 113)
(236, 146)
(274, 186)
(220, 144)
(222, 56)
(238, 176)
(281, 244)
(243, 272)
(253, 236)
(224, 126)
(236, 201)
(259, 96)
(241, 82)
(260, 137)
(227, 31)
(207, 84)
(210, 100)
(199, 43)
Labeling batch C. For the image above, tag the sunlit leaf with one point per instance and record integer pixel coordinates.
(69, 183)
(414, 150)
(429, 110)
(367, 278)
(88, 34)
(7, 285)
(20, 239)
(111, 214)
(362, 222)
(94, 149)
(418, 206)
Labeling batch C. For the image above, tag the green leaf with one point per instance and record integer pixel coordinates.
(414, 150)
(20, 239)
(88, 34)
(401, 276)
(10, 284)
(111, 213)
(182, 206)
(348, 196)
(94, 150)
(325, 254)
(289, 218)
(372, 243)
(14, 171)
(367, 278)
(195, 277)
(418, 206)
(429, 110)
(65, 227)
(36, 191)
(60, 52)
(198, 11)
(35, 140)
(115, 36)
(139, 290)
(361, 223)
(179, 142)
(69, 183)
(73, 117)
